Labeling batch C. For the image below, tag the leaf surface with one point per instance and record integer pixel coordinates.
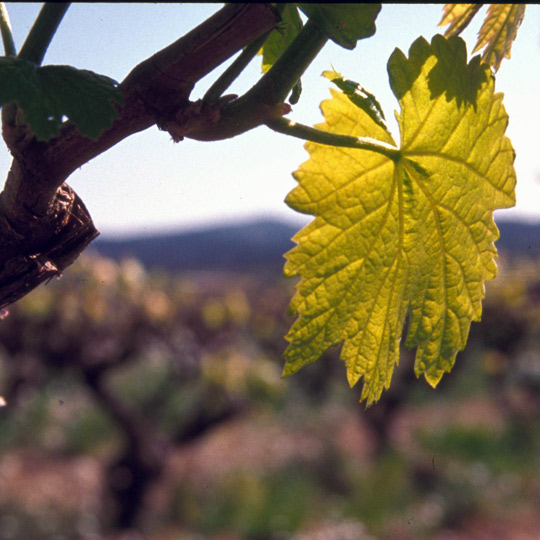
(46, 94)
(405, 237)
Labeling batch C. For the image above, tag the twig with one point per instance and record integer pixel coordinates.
(233, 71)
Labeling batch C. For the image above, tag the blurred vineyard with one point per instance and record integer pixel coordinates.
(149, 406)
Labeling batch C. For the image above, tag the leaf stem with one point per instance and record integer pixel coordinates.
(9, 112)
(5, 28)
(276, 83)
(274, 86)
(42, 32)
(233, 71)
(301, 131)
(264, 100)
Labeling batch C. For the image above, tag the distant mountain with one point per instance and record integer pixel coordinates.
(518, 238)
(244, 247)
(257, 246)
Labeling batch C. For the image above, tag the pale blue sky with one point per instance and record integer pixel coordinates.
(147, 182)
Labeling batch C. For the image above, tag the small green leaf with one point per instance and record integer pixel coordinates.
(359, 96)
(499, 32)
(281, 37)
(46, 94)
(458, 16)
(403, 236)
(344, 24)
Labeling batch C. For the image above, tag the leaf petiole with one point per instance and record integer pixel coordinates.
(5, 28)
(233, 71)
(9, 112)
(41, 34)
(301, 131)
(274, 86)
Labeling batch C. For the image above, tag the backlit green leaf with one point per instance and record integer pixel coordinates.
(458, 16)
(410, 237)
(345, 24)
(46, 94)
(499, 31)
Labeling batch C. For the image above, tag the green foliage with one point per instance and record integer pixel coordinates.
(458, 16)
(405, 233)
(257, 507)
(507, 451)
(384, 490)
(287, 467)
(410, 236)
(498, 31)
(46, 94)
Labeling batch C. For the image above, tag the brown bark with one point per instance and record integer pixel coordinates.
(44, 226)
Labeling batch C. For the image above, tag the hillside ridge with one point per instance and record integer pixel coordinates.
(257, 245)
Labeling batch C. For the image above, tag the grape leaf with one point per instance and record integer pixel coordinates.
(345, 24)
(46, 94)
(458, 16)
(409, 236)
(499, 31)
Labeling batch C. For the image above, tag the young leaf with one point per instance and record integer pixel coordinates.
(46, 94)
(281, 37)
(499, 31)
(458, 16)
(359, 96)
(345, 24)
(410, 236)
